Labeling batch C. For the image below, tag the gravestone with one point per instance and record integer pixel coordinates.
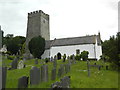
(34, 76)
(55, 62)
(23, 82)
(67, 68)
(88, 67)
(4, 76)
(56, 85)
(99, 67)
(65, 82)
(53, 74)
(14, 63)
(20, 65)
(59, 72)
(69, 62)
(36, 61)
(74, 59)
(106, 67)
(24, 59)
(62, 68)
(0, 76)
(44, 73)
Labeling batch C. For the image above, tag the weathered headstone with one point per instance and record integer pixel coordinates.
(99, 67)
(106, 67)
(36, 61)
(44, 73)
(4, 76)
(61, 70)
(20, 65)
(69, 62)
(14, 63)
(56, 85)
(65, 82)
(53, 74)
(88, 67)
(24, 59)
(74, 59)
(67, 68)
(23, 82)
(34, 76)
(55, 62)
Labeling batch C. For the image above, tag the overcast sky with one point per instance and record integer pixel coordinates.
(68, 18)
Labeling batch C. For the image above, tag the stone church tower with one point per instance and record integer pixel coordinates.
(38, 24)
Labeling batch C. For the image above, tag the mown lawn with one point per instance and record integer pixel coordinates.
(79, 78)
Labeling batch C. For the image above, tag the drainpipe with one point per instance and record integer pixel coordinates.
(94, 51)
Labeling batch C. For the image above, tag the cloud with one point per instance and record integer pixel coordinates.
(68, 18)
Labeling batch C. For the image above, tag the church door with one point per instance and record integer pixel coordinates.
(59, 56)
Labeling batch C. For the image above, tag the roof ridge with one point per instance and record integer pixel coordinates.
(76, 37)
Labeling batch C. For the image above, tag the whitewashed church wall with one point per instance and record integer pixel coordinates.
(98, 52)
(69, 50)
(46, 54)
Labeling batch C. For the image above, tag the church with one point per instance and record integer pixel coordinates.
(38, 24)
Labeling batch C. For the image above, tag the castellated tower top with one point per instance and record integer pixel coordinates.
(38, 13)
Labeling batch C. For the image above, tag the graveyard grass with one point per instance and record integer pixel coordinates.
(79, 78)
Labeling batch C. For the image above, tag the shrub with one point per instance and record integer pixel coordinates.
(37, 46)
(78, 57)
(84, 55)
(64, 57)
(10, 57)
(71, 56)
(47, 60)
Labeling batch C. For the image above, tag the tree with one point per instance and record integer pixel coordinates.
(111, 49)
(37, 46)
(14, 44)
(84, 55)
(78, 57)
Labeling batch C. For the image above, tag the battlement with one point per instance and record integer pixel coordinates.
(38, 13)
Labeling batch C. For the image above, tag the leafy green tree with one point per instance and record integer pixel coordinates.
(78, 57)
(23, 49)
(84, 55)
(111, 49)
(37, 46)
(14, 44)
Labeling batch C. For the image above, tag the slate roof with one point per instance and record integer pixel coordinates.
(73, 41)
